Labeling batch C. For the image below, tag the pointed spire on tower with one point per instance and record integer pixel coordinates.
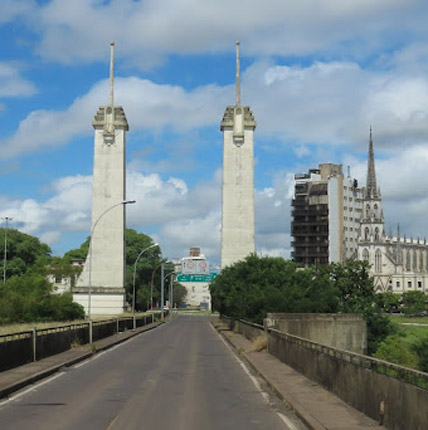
(371, 187)
(398, 232)
(238, 76)
(111, 101)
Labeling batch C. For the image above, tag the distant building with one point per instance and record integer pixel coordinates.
(195, 275)
(398, 264)
(334, 220)
(325, 216)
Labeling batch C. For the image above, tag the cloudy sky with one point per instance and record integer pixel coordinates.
(316, 75)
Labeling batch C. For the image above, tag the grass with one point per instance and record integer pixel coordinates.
(16, 328)
(403, 319)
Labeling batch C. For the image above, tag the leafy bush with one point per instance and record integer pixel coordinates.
(29, 298)
(257, 285)
(395, 349)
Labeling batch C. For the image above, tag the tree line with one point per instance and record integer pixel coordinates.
(28, 296)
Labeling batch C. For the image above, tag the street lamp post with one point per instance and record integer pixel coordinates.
(162, 289)
(152, 285)
(135, 270)
(124, 202)
(6, 218)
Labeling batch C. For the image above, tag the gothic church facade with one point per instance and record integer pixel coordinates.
(398, 264)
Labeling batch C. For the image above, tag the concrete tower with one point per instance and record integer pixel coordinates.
(237, 230)
(100, 288)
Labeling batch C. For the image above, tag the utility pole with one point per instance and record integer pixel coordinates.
(162, 289)
(6, 218)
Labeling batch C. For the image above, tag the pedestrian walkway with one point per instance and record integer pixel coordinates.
(318, 408)
(15, 379)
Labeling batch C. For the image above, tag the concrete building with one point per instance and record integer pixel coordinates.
(325, 216)
(237, 226)
(105, 271)
(334, 220)
(195, 275)
(397, 264)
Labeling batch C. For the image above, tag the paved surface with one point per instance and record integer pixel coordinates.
(14, 379)
(318, 408)
(182, 375)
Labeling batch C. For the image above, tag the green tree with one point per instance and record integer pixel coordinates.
(29, 298)
(421, 349)
(23, 251)
(414, 302)
(149, 261)
(396, 350)
(255, 286)
(388, 301)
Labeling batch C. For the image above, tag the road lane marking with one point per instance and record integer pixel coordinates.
(265, 395)
(31, 388)
(287, 421)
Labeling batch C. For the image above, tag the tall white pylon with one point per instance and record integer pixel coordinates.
(105, 272)
(237, 227)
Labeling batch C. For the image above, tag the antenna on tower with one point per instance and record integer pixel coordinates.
(238, 76)
(111, 72)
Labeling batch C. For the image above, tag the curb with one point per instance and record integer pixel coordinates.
(5, 392)
(299, 410)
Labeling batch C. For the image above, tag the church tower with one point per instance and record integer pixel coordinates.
(372, 233)
(237, 230)
(372, 222)
(100, 287)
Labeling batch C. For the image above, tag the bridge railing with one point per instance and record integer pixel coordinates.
(394, 395)
(24, 347)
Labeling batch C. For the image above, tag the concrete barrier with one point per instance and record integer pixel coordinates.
(249, 330)
(17, 349)
(395, 396)
(343, 331)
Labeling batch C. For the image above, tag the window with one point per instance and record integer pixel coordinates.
(419, 284)
(408, 261)
(376, 234)
(378, 261)
(366, 233)
(397, 284)
(366, 255)
(415, 261)
(409, 284)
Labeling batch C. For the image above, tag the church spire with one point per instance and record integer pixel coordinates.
(111, 101)
(238, 76)
(371, 187)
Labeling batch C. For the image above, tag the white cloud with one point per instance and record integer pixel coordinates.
(147, 106)
(147, 31)
(12, 84)
(13, 9)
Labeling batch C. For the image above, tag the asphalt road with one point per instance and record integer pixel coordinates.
(180, 376)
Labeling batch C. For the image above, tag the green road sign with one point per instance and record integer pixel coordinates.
(196, 278)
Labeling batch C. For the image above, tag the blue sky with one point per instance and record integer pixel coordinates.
(316, 75)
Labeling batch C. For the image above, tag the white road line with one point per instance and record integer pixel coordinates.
(100, 354)
(287, 421)
(31, 388)
(265, 395)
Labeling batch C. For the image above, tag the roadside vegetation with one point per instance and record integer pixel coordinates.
(148, 270)
(251, 288)
(29, 297)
